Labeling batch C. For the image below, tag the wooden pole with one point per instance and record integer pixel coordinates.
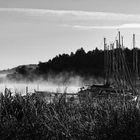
(26, 89)
(119, 39)
(122, 43)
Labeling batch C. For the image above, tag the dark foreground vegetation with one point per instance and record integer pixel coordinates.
(80, 63)
(30, 117)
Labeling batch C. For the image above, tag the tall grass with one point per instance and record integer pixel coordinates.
(31, 117)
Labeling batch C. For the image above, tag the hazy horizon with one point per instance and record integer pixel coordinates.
(38, 30)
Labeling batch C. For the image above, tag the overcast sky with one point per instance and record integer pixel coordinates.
(38, 30)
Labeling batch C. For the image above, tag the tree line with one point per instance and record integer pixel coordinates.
(80, 62)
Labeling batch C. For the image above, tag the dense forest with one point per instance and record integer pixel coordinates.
(81, 63)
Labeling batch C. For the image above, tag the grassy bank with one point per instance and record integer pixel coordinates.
(30, 117)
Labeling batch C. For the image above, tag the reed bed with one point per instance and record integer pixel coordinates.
(30, 117)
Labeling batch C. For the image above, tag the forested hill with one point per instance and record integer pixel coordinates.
(80, 63)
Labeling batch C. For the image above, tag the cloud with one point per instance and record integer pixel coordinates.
(75, 19)
(73, 14)
(123, 26)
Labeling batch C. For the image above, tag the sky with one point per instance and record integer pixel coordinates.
(38, 30)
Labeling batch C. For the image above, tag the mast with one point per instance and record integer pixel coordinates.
(123, 67)
(134, 54)
(105, 61)
(135, 61)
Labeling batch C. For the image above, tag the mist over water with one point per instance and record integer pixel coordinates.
(60, 83)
